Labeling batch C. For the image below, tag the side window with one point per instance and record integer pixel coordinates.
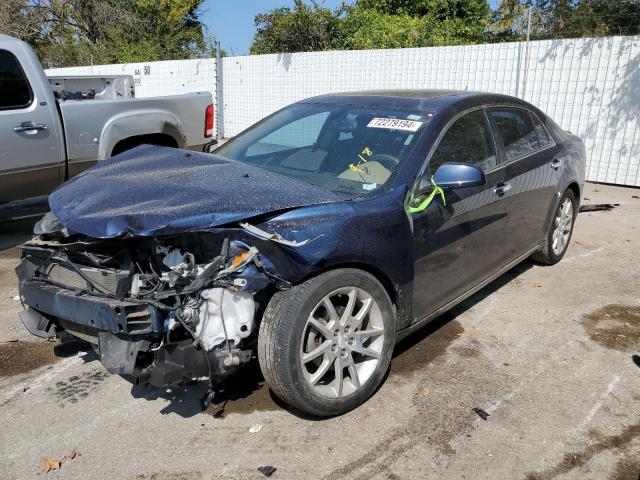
(468, 140)
(519, 136)
(14, 87)
(543, 136)
(301, 133)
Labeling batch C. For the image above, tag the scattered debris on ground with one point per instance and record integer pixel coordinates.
(72, 454)
(255, 428)
(267, 471)
(481, 413)
(49, 464)
(11, 340)
(598, 206)
(537, 285)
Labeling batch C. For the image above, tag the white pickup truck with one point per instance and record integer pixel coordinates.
(45, 141)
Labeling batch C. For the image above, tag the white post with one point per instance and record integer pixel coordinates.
(526, 54)
(219, 93)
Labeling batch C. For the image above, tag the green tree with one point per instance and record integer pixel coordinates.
(302, 28)
(422, 23)
(586, 18)
(566, 18)
(509, 21)
(80, 32)
(371, 24)
(170, 30)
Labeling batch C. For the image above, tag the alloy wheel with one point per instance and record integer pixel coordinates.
(563, 226)
(342, 342)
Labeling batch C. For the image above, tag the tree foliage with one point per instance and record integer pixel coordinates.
(553, 19)
(371, 24)
(367, 24)
(423, 23)
(80, 32)
(306, 27)
(586, 18)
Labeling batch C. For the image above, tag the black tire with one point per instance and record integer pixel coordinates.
(281, 336)
(546, 255)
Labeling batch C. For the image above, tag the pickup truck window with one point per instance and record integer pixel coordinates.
(15, 91)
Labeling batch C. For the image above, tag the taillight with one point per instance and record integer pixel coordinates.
(208, 121)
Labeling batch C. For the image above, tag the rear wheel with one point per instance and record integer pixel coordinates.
(560, 231)
(324, 346)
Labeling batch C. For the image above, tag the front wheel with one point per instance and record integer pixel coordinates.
(325, 345)
(560, 230)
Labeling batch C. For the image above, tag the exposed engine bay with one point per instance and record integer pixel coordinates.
(157, 309)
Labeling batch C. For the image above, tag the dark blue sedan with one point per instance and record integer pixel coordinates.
(314, 240)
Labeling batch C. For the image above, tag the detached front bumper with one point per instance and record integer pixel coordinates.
(122, 332)
(96, 313)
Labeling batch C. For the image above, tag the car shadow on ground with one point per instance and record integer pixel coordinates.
(241, 393)
(450, 316)
(15, 233)
(246, 391)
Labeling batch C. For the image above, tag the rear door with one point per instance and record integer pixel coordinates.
(29, 156)
(531, 173)
(459, 245)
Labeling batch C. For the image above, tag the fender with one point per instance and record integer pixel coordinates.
(142, 122)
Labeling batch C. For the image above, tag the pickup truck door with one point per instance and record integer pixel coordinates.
(30, 153)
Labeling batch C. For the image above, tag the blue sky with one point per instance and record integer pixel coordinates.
(232, 21)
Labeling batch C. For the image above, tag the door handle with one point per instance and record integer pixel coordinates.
(29, 126)
(556, 164)
(501, 189)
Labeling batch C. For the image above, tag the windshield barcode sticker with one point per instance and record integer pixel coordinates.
(395, 124)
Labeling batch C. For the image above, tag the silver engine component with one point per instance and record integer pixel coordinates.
(235, 309)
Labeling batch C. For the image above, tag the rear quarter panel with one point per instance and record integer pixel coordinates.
(571, 151)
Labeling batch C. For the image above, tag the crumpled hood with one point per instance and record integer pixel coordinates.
(157, 190)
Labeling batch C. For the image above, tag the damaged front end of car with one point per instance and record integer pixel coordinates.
(157, 309)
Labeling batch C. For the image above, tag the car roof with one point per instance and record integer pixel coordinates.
(427, 99)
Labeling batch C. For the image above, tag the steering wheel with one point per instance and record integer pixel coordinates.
(387, 161)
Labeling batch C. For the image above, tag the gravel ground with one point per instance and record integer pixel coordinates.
(545, 351)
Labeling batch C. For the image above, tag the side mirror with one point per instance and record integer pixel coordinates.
(458, 175)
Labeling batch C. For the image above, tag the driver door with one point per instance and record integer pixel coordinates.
(459, 245)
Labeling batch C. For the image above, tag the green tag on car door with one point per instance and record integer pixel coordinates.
(427, 201)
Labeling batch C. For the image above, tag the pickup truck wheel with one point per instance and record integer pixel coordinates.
(325, 345)
(560, 231)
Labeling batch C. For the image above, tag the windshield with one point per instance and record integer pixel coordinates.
(343, 148)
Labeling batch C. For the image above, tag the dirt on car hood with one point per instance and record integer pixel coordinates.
(153, 190)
